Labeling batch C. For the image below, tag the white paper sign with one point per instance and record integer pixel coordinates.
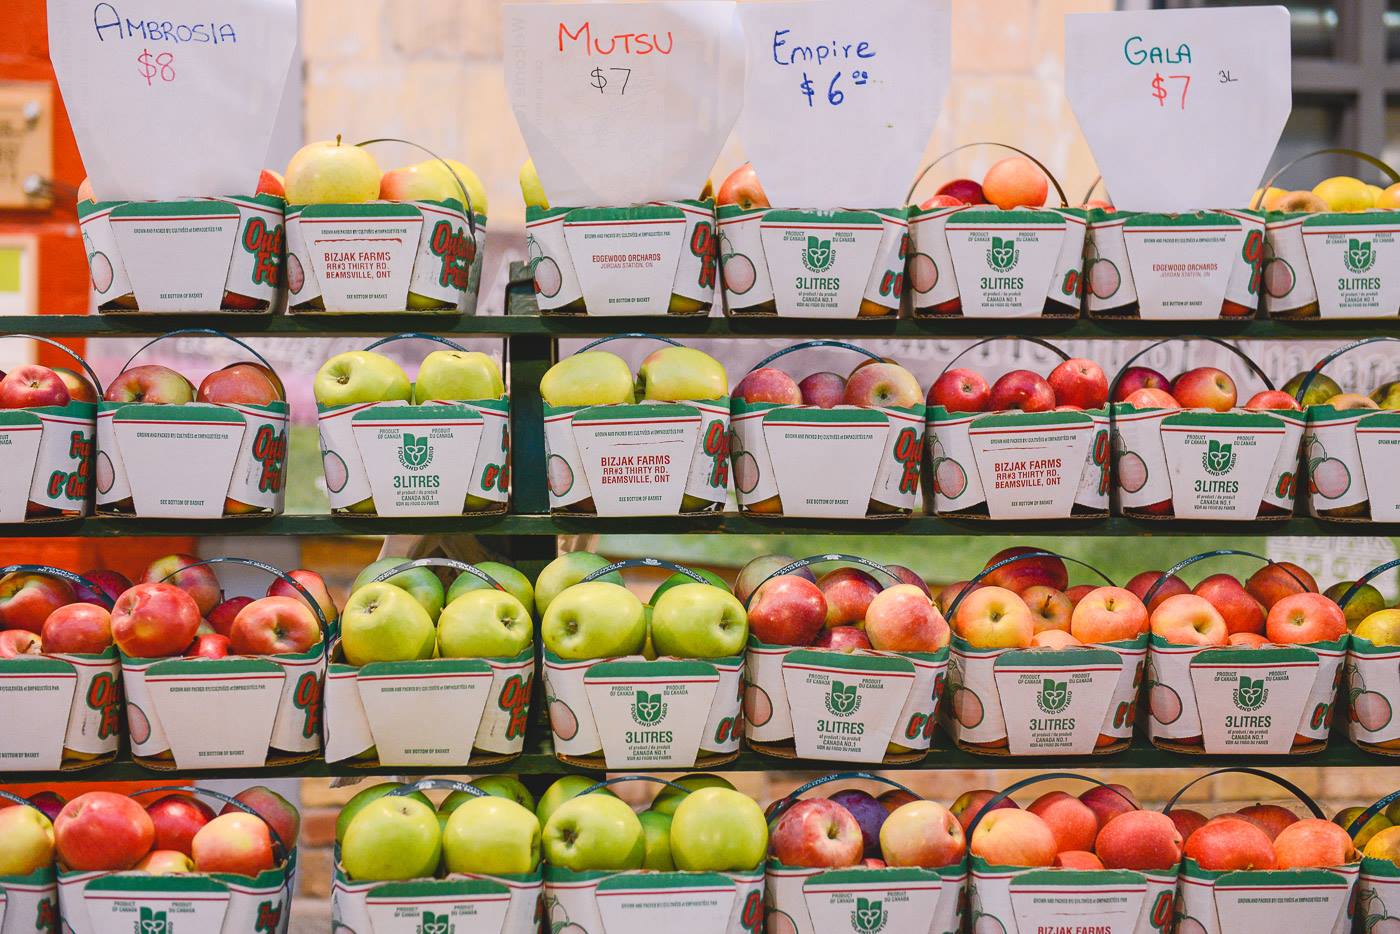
(653, 89)
(841, 98)
(1149, 87)
(172, 98)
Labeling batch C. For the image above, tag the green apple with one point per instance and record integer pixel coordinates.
(432, 180)
(382, 623)
(657, 827)
(484, 624)
(680, 374)
(357, 803)
(595, 620)
(699, 621)
(676, 579)
(491, 835)
(570, 786)
(1347, 816)
(421, 583)
(564, 572)
(392, 839)
(457, 376)
(593, 377)
(1366, 601)
(530, 188)
(515, 583)
(1322, 388)
(361, 376)
(594, 832)
(327, 172)
(668, 798)
(648, 648)
(718, 830)
(1388, 395)
(501, 786)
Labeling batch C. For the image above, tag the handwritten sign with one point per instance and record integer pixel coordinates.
(1157, 91)
(147, 83)
(623, 103)
(841, 98)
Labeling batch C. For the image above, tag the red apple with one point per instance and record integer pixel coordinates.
(209, 645)
(1021, 390)
(1273, 400)
(759, 570)
(971, 803)
(176, 819)
(1109, 614)
(1143, 841)
(151, 383)
(768, 385)
(102, 831)
(277, 811)
(1015, 182)
(1152, 399)
(848, 592)
(1138, 377)
(994, 618)
(1108, 801)
(1248, 640)
(1205, 387)
(1075, 826)
(271, 183)
(31, 386)
(274, 626)
(922, 833)
(903, 619)
(1313, 843)
(109, 586)
(1270, 818)
(1303, 618)
(909, 576)
(1187, 619)
(964, 191)
(942, 201)
(1143, 582)
(185, 572)
(1079, 592)
(1050, 608)
(314, 584)
(1187, 821)
(1054, 639)
(1273, 582)
(824, 390)
(883, 385)
(846, 639)
(1077, 859)
(241, 384)
(1017, 576)
(1013, 838)
(222, 616)
(17, 642)
(166, 863)
(27, 600)
(960, 390)
(1241, 612)
(1079, 382)
(78, 629)
(742, 187)
(896, 798)
(950, 593)
(817, 833)
(234, 843)
(787, 610)
(1226, 844)
(154, 621)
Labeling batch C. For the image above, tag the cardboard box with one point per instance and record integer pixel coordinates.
(1372, 679)
(870, 456)
(622, 141)
(641, 459)
(436, 712)
(63, 711)
(180, 222)
(641, 902)
(1176, 248)
(1302, 899)
(843, 252)
(200, 460)
(1017, 465)
(186, 714)
(1030, 901)
(1199, 464)
(46, 454)
(401, 459)
(488, 904)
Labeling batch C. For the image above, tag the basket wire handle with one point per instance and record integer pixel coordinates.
(1386, 170)
(60, 573)
(788, 800)
(185, 332)
(1346, 348)
(1039, 553)
(1217, 553)
(801, 563)
(66, 349)
(1009, 337)
(1285, 784)
(1064, 202)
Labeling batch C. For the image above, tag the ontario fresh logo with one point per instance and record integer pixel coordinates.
(842, 700)
(1359, 256)
(870, 916)
(647, 709)
(1054, 696)
(153, 922)
(818, 255)
(1219, 458)
(435, 924)
(415, 453)
(1002, 255)
(1250, 693)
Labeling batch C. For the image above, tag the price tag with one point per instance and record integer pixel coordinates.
(623, 103)
(1159, 94)
(148, 87)
(840, 98)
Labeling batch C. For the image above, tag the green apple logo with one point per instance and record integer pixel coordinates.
(1054, 696)
(1219, 458)
(869, 916)
(1250, 693)
(414, 452)
(842, 700)
(152, 922)
(434, 924)
(1002, 255)
(818, 256)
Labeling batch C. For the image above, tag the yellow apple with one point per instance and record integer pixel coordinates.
(1344, 193)
(530, 187)
(677, 374)
(594, 377)
(1380, 628)
(330, 172)
(433, 180)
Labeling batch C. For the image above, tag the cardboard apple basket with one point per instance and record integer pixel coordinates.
(863, 706)
(983, 262)
(398, 459)
(640, 459)
(644, 901)
(210, 903)
(615, 713)
(1235, 700)
(185, 714)
(28, 903)
(802, 900)
(1201, 464)
(1331, 264)
(1342, 448)
(46, 460)
(870, 455)
(476, 903)
(1022, 900)
(63, 711)
(386, 256)
(1223, 902)
(200, 460)
(1017, 465)
(1076, 701)
(439, 711)
(1373, 684)
(1377, 906)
